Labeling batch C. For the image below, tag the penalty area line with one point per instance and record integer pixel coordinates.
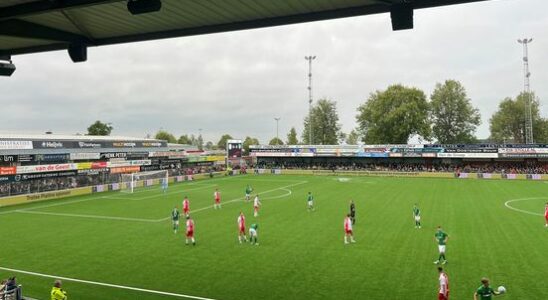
(105, 284)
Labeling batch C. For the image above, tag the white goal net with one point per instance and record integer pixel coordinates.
(133, 181)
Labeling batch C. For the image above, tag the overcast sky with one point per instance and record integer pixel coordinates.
(238, 82)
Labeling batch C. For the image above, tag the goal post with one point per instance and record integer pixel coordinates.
(130, 182)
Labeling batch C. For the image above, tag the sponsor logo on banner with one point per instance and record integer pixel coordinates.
(130, 169)
(16, 145)
(84, 156)
(136, 155)
(92, 171)
(429, 155)
(99, 165)
(150, 168)
(152, 144)
(46, 168)
(170, 154)
(51, 157)
(524, 150)
(83, 166)
(124, 144)
(8, 170)
(47, 175)
(48, 144)
(89, 145)
(110, 155)
(8, 158)
(469, 155)
(395, 154)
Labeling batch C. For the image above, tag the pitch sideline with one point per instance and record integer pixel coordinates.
(105, 284)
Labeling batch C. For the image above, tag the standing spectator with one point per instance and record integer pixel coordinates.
(57, 293)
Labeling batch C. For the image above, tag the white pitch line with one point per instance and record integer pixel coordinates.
(105, 284)
(507, 204)
(289, 192)
(168, 193)
(86, 216)
(240, 199)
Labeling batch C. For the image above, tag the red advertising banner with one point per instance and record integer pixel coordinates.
(99, 165)
(8, 170)
(130, 169)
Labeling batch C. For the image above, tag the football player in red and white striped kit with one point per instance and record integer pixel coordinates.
(190, 230)
(546, 214)
(348, 230)
(241, 228)
(217, 196)
(443, 292)
(186, 206)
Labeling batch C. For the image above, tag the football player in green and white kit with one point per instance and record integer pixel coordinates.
(441, 238)
(310, 201)
(175, 219)
(248, 191)
(417, 216)
(485, 292)
(253, 234)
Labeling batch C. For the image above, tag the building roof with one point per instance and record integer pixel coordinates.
(30, 26)
(58, 137)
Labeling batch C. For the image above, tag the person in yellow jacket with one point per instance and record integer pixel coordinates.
(57, 293)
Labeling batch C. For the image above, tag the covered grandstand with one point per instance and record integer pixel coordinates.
(41, 163)
(464, 161)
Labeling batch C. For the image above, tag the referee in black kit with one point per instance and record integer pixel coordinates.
(352, 212)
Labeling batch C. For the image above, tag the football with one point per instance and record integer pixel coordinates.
(501, 289)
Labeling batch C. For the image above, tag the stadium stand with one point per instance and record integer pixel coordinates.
(484, 158)
(41, 163)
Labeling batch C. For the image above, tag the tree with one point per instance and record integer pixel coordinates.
(292, 137)
(276, 141)
(166, 136)
(508, 123)
(393, 116)
(200, 142)
(100, 128)
(222, 142)
(209, 145)
(184, 139)
(453, 116)
(248, 142)
(353, 137)
(325, 124)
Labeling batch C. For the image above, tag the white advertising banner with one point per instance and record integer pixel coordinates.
(468, 155)
(84, 156)
(15, 145)
(46, 168)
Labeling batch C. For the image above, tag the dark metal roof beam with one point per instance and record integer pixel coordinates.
(43, 6)
(277, 21)
(252, 24)
(24, 29)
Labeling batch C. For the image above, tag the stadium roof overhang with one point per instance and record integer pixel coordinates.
(31, 26)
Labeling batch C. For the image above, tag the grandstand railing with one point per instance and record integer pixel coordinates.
(14, 294)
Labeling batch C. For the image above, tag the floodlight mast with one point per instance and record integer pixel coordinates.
(310, 59)
(527, 90)
(277, 121)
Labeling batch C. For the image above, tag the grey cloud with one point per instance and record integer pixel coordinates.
(238, 82)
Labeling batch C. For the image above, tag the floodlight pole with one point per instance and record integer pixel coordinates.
(527, 91)
(277, 121)
(309, 59)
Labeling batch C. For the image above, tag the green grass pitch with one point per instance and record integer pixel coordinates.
(126, 240)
